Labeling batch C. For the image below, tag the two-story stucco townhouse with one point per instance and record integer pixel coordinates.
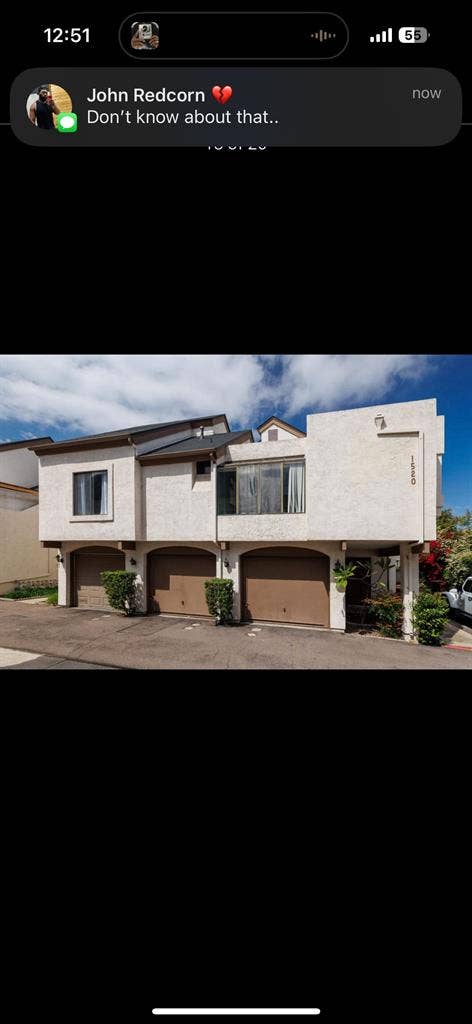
(22, 559)
(181, 502)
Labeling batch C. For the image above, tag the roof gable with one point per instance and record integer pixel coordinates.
(277, 422)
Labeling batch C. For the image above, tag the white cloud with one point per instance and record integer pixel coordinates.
(85, 394)
(323, 382)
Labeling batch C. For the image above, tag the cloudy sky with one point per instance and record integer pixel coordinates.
(68, 395)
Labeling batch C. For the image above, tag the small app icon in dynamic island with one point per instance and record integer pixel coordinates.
(67, 123)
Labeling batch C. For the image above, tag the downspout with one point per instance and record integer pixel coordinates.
(213, 457)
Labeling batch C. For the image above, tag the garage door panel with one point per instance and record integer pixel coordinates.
(89, 590)
(289, 589)
(177, 582)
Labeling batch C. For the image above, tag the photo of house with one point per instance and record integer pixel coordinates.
(273, 507)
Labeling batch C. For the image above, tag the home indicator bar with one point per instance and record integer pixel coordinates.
(287, 1013)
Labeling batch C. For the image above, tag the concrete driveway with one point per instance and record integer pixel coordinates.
(161, 642)
(15, 660)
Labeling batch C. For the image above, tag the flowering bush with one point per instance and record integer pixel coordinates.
(433, 566)
(450, 559)
(387, 611)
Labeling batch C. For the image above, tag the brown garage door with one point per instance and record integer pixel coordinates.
(286, 585)
(176, 580)
(88, 591)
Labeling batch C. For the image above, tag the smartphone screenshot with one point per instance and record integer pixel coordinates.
(352, 76)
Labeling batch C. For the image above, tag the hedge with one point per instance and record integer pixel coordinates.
(120, 588)
(219, 599)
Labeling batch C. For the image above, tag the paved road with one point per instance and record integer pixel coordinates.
(160, 642)
(14, 659)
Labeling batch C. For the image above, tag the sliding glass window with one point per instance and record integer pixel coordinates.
(264, 488)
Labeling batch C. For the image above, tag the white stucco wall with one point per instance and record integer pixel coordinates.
(286, 526)
(56, 520)
(19, 466)
(359, 478)
(177, 507)
(287, 449)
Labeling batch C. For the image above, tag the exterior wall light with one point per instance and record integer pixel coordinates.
(226, 563)
(59, 558)
(132, 561)
(380, 422)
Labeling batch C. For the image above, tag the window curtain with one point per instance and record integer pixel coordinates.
(103, 506)
(295, 489)
(271, 496)
(91, 494)
(82, 494)
(226, 492)
(248, 480)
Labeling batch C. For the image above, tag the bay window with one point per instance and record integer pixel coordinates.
(261, 488)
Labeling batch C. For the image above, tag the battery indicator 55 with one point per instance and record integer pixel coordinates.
(413, 35)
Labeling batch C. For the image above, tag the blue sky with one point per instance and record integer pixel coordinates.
(69, 395)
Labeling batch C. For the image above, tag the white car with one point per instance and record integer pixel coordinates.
(460, 599)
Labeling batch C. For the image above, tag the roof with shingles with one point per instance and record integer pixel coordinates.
(195, 444)
(11, 445)
(133, 432)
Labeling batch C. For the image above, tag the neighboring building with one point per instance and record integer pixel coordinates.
(22, 558)
(180, 502)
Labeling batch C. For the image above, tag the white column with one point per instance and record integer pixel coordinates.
(231, 572)
(410, 576)
(337, 598)
(63, 578)
(139, 569)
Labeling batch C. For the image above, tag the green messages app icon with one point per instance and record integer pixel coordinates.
(67, 123)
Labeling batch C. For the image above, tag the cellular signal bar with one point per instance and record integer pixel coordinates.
(386, 36)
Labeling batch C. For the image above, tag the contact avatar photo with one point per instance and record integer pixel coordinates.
(50, 107)
(145, 36)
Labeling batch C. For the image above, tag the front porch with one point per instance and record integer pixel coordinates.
(396, 567)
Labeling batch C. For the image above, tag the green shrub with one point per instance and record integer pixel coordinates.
(120, 588)
(23, 593)
(430, 613)
(219, 599)
(387, 611)
(53, 598)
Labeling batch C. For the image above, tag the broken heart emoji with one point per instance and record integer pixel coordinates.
(222, 94)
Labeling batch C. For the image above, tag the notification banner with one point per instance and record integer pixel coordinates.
(235, 107)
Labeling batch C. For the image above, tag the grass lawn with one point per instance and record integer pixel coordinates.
(23, 593)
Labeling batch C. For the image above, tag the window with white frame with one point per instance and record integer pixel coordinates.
(261, 488)
(91, 493)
